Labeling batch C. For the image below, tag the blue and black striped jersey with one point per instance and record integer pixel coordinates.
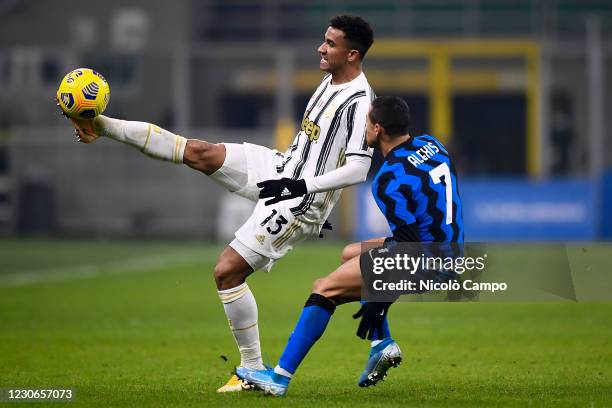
(417, 190)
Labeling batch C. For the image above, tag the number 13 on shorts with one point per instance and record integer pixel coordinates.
(277, 226)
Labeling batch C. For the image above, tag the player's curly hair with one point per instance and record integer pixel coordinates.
(357, 32)
(392, 113)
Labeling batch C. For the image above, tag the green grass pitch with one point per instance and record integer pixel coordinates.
(139, 324)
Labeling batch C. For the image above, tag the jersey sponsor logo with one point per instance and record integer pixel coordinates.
(312, 130)
(423, 154)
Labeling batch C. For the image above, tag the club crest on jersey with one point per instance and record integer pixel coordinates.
(311, 129)
(330, 111)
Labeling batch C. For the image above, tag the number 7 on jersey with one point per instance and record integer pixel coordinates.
(441, 174)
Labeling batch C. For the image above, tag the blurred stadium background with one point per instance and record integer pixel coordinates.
(519, 90)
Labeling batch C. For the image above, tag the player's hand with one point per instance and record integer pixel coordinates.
(373, 316)
(326, 226)
(83, 128)
(283, 189)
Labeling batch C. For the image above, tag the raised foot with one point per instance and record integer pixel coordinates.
(85, 130)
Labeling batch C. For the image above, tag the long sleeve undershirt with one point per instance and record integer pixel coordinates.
(354, 171)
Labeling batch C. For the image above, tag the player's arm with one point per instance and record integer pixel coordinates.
(358, 154)
(353, 172)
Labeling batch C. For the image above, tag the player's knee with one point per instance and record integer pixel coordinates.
(350, 251)
(325, 287)
(226, 276)
(319, 286)
(204, 156)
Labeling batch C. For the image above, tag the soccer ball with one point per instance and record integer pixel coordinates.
(83, 94)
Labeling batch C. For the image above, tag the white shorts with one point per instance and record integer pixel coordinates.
(246, 165)
(255, 260)
(271, 231)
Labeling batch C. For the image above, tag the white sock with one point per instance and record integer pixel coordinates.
(148, 138)
(280, 370)
(241, 310)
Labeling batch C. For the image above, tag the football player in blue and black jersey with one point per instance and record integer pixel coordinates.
(416, 189)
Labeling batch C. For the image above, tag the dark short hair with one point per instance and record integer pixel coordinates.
(357, 32)
(392, 113)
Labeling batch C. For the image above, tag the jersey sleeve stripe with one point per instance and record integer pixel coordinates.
(350, 118)
(314, 103)
(364, 142)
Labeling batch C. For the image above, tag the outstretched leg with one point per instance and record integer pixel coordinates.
(154, 142)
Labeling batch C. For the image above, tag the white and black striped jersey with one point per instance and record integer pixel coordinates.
(333, 128)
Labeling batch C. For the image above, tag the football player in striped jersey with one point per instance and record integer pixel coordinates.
(329, 152)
